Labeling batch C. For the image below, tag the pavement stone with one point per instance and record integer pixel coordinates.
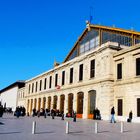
(12, 128)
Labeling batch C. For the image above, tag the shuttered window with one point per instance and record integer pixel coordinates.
(120, 107)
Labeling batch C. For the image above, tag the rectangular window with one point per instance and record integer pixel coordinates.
(63, 77)
(81, 72)
(32, 87)
(119, 71)
(56, 79)
(71, 75)
(138, 107)
(40, 85)
(138, 66)
(29, 88)
(87, 46)
(92, 68)
(120, 107)
(36, 87)
(82, 49)
(50, 83)
(45, 82)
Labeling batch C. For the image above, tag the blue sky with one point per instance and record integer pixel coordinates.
(35, 32)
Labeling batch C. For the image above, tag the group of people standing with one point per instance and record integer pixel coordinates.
(96, 114)
(20, 111)
(46, 112)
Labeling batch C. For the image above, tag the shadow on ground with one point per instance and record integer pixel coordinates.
(9, 133)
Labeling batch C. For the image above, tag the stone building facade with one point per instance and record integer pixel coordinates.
(9, 95)
(101, 71)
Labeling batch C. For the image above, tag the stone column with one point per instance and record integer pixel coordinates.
(75, 102)
(29, 106)
(66, 104)
(85, 105)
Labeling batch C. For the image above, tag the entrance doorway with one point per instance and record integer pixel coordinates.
(80, 97)
(31, 108)
(54, 102)
(44, 103)
(49, 102)
(91, 103)
(39, 103)
(35, 103)
(62, 99)
(70, 103)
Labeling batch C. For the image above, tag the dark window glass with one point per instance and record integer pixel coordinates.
(40, 85)
(120, 107)
(138, 66)
(119, 71)
(63, 77)
(71, 75)
(138, 107)
(56, 79)
(90, 41)
(137, 41)
(50, 83)
(114, 37)
(32, 87)
(81, 72)
(29, 88)
(45, 82)
(36, 87)
(74, 54)
(92, 68)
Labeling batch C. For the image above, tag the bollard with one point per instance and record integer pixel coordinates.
(96, 127)
(67, 127)
(121, 127)
(33, 127)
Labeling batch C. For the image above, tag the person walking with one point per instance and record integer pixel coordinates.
(112, 115)
(1, 110)
(62, 115)
(74, 117)
(130, 116)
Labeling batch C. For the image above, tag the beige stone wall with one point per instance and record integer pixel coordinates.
(108, 88)
(127, 88)
(21, 97)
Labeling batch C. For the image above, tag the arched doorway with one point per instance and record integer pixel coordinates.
(80, 97)
(44, 103)
(70, 103)
(39, 103)
(35, 103)
(31, 107)
(49, 102)
(55, 102)
(28, 103)
(91, 103)
(62, 100)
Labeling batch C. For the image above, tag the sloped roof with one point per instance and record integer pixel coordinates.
(20, 84)
(100, 27)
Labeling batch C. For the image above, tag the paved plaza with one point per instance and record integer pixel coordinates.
(12, 128)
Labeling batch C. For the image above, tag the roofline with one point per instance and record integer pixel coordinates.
(75, 44)
(17, 83)
(102, 28)
(115, 29)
